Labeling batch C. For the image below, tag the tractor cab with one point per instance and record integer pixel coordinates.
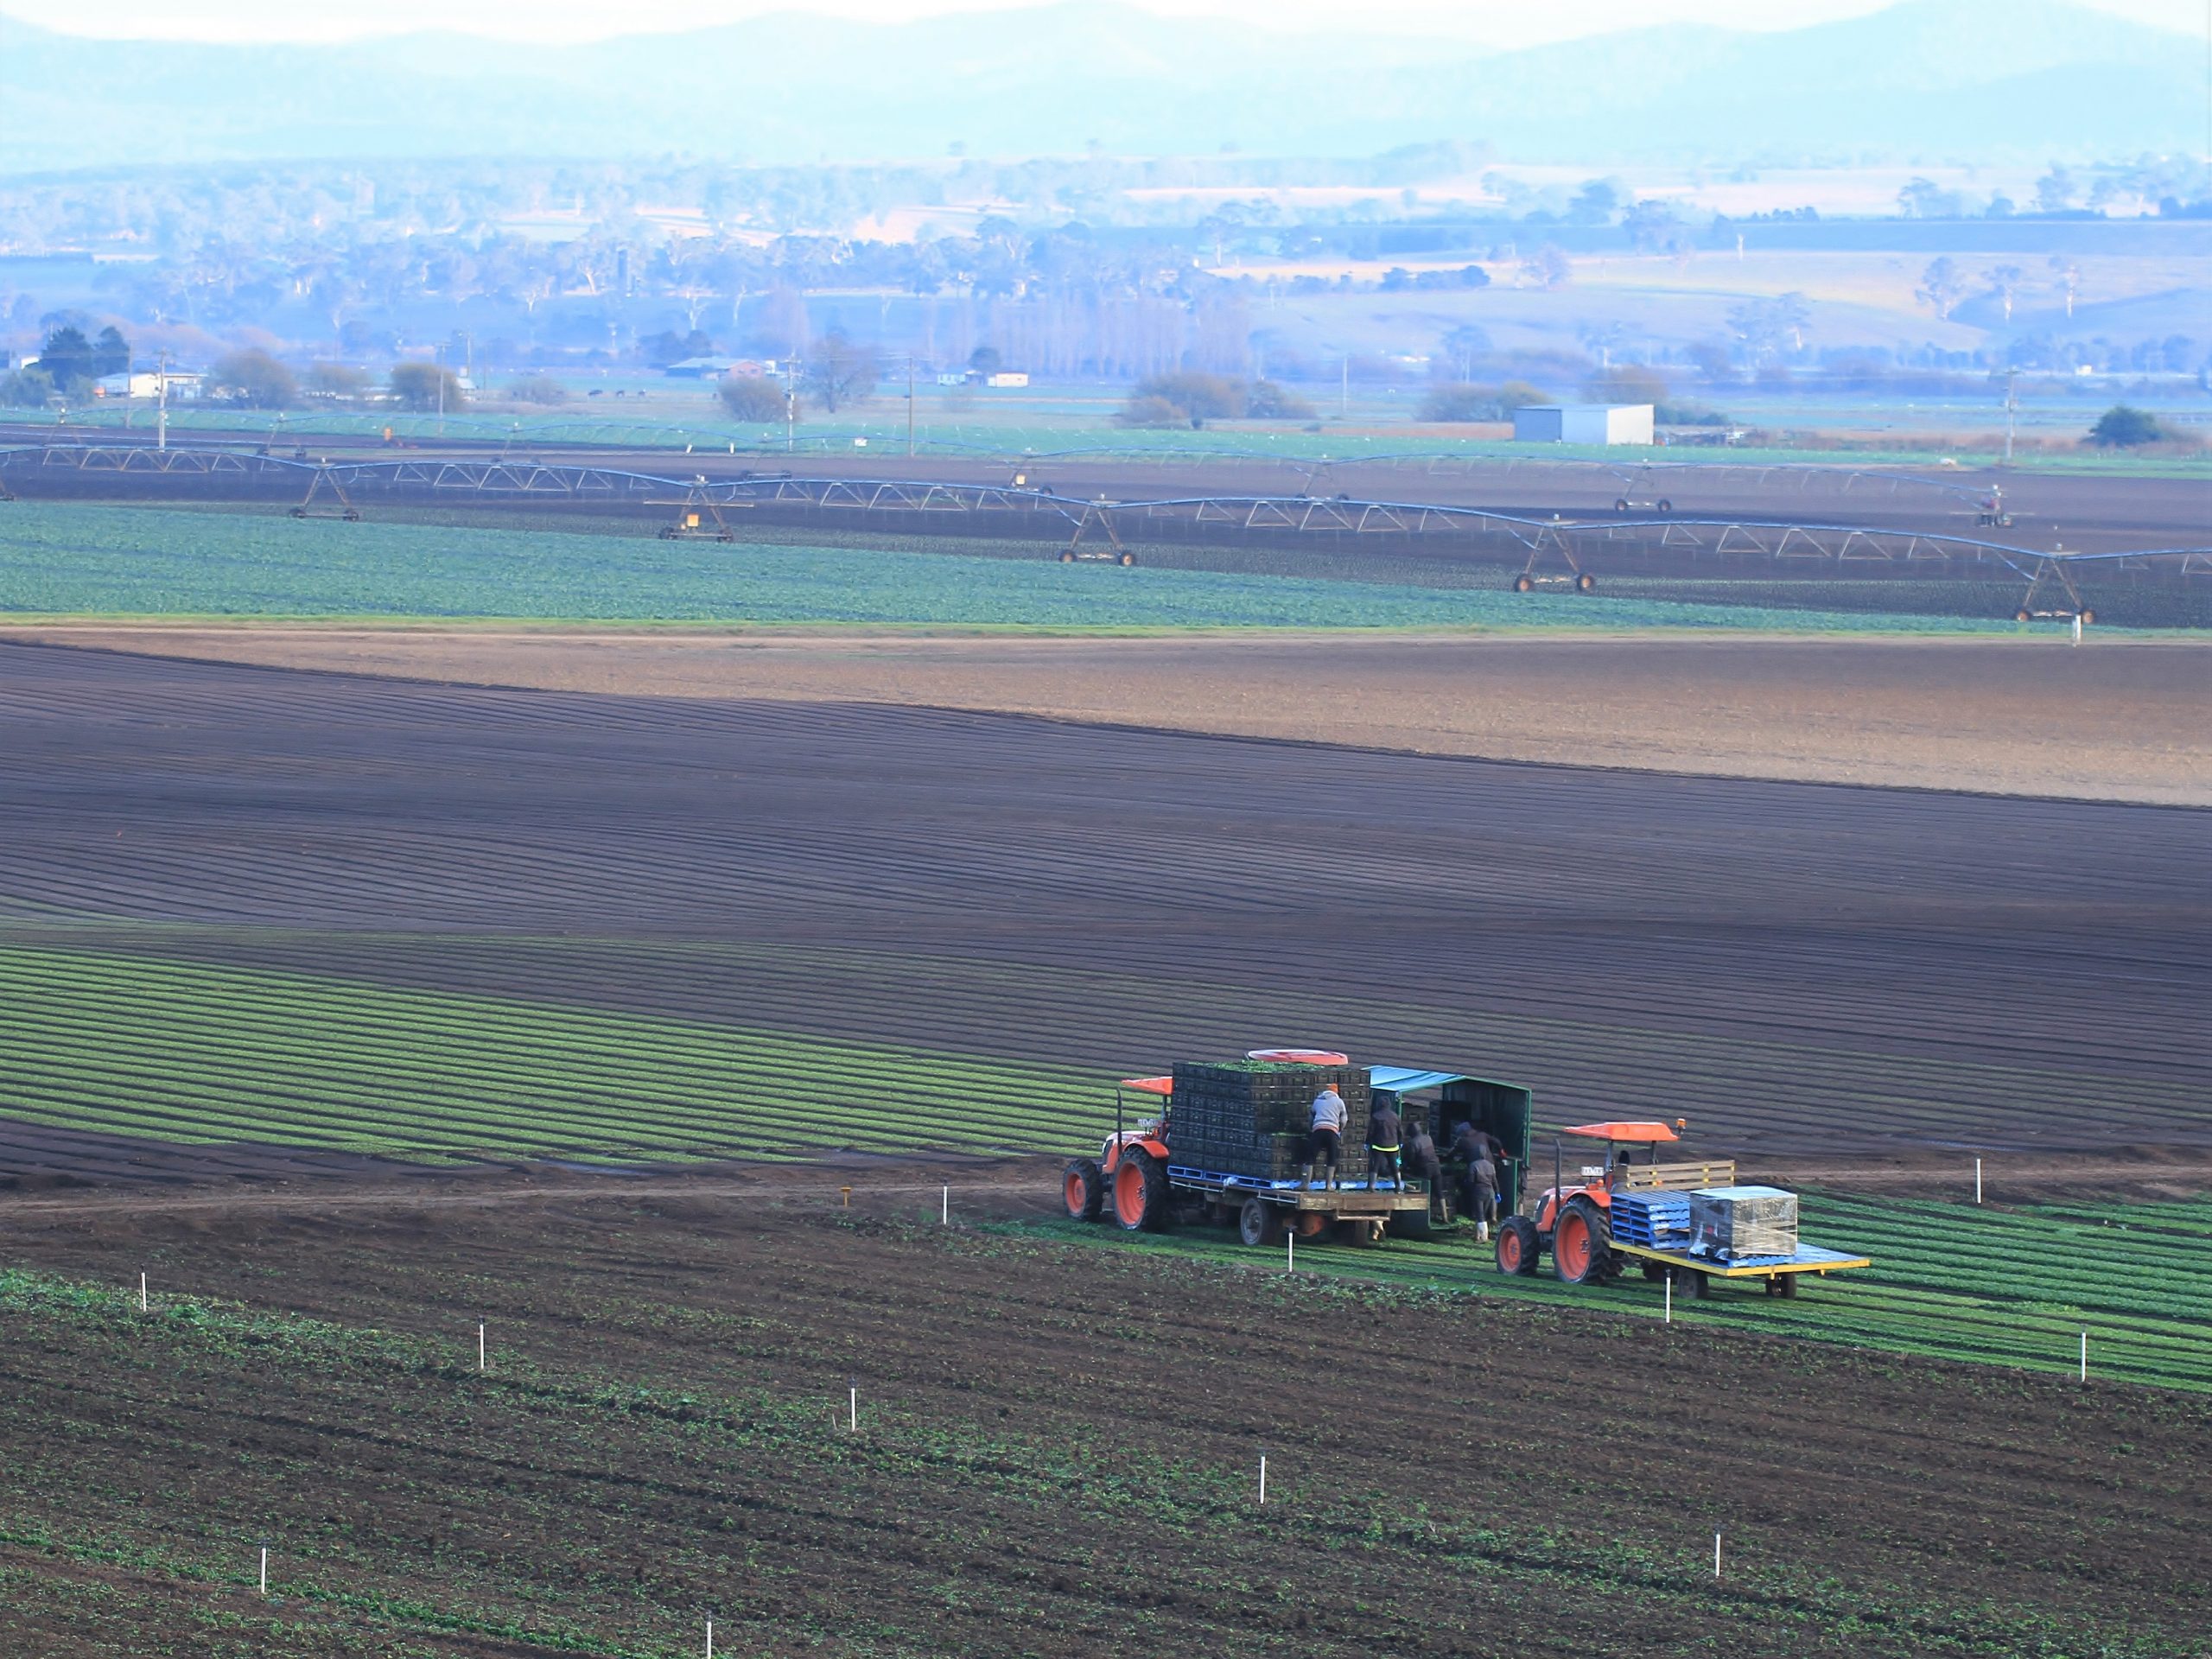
(1596, 1181)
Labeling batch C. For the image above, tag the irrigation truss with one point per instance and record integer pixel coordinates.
(334, 487)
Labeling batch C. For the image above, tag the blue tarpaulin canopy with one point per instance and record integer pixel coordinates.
(1405, 1079)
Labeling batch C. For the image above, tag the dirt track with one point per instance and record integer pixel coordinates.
(1798, 968)
(2113, 721)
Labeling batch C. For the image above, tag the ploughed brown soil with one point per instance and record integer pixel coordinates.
(2112, 720)
(1056, 1454)
(1796, 968)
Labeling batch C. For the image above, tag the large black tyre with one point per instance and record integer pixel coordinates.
(1410, 1224)
(1259, 1223)
(1139, 1191)
(1083, 1186)
(1518, 1246)
(1066, 557)
(1126, 560)
(1582, 1244)
(1522, 584)
(1585, 584)
(1665, 506)
(1621, 505)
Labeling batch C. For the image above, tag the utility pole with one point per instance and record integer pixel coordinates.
(2011, 404)
(910, 404)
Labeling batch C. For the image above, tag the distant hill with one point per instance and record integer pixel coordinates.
(1928, 79)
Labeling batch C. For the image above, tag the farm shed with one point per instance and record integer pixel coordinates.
(1583, 423)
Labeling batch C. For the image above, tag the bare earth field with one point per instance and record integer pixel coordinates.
(1054, 1454)
(1799, 967)
(2116, 719)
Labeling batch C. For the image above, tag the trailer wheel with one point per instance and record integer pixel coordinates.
(1782, 1284)
(1655, 1271)
(1139, 1191)
(1083, 1186)
(1522, 584)
(1695, 1283)
(1621, 505)
(1516, 1246)
(1665, 506)
(1259, 1223)
(1578, 1243)
(1409, 1223)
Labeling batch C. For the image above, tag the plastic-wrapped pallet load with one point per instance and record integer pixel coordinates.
(1737, 1223)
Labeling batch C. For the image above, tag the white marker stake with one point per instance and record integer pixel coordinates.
(2077, 627)
(1977, 1180)
(264, 1570)
(1716, 1554)
(944, 1208)
(1263, 1476)
(142, 1292)
(1669, 1282)
(853, 1410)
(479, 1347)
(710, 1639)
(1290, 1252)
(2085, 1355)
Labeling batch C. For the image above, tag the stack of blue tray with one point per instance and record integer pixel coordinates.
(1657, 1221)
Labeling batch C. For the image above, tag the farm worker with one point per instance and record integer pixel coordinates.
(1420, 1152)
(1327, 1143)
(1381, 1144)
(1482, 1196)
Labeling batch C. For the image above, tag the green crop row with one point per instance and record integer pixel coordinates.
(1949, 1281)
(78, 560)
(192, 1053)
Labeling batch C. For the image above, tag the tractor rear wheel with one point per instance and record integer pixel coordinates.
(1259, 1223)
(1580, 1244)
(1139, 1191)
(1516, 1246)
(1083, 1185)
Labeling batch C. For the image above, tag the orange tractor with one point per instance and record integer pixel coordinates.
(1622, 1211)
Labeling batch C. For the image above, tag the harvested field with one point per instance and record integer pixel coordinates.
(1051, 1440)
(2117, 721)
(1795, 967)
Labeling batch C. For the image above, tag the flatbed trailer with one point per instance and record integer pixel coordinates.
(1780, 1273)
(1264, 1210)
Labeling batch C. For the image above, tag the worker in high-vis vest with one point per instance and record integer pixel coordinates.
(1382, 1143)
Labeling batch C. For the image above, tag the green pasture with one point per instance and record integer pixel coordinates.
(1979, 1283)
(107, 561)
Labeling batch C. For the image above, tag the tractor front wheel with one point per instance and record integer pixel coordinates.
(1259, 1223)
(1139, 1191)
(1083, 1185)
(1579, 1244)
(1517, 1245)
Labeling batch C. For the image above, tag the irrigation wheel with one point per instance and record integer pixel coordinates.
(1084, 1186)
(1522, 584)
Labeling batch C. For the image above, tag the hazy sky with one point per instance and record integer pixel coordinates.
(1505, 23)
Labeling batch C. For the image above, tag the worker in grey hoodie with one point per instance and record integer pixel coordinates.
(1325, 1143)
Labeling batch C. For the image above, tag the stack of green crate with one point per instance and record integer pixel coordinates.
(1251, 1117)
